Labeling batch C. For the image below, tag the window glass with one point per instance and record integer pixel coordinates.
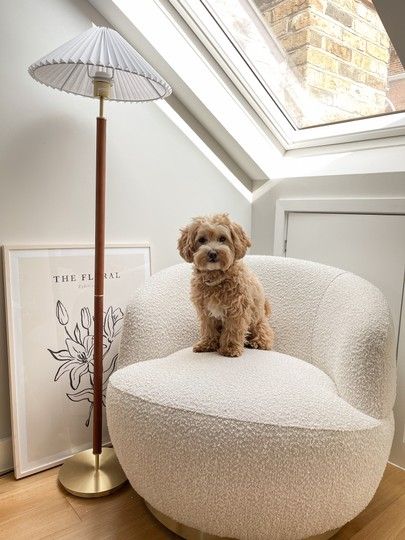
(321, 61)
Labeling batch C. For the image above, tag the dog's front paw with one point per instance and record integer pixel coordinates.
(205, 346)
(231, 349)
(263, 338)
(263, 343)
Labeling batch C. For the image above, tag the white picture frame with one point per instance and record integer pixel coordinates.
(49, 307)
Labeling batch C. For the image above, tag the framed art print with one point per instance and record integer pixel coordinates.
(49, 299)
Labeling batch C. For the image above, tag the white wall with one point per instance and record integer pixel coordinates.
(157, 178)
(351, 186)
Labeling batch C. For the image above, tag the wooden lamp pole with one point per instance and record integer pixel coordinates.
(99, 282)
(96, 472)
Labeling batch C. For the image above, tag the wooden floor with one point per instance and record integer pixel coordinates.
(36, 508)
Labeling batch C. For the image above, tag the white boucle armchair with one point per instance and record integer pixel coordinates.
(286, 444)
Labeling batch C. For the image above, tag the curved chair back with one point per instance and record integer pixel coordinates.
(161, 318)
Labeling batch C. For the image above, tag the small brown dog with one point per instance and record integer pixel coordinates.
(229, 298)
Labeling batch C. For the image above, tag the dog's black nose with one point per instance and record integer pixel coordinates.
(212, 255)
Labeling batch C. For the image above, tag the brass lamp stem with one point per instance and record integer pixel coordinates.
(101, 108)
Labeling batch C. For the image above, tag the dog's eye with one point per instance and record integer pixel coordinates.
(202, 240)
(222, 239)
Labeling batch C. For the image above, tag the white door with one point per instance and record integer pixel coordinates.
(371, 246)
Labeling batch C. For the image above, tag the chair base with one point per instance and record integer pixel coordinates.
(188, 533)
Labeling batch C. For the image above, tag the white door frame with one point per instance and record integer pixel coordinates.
(393, 206)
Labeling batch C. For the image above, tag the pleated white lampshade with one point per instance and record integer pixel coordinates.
(97, 52)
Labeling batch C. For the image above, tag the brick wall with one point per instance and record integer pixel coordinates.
(339, 51)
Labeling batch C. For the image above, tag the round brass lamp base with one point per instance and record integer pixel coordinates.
(188, 533)
(87, 475)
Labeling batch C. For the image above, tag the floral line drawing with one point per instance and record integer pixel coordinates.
(77, 354)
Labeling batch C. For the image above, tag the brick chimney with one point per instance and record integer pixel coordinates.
(339, 51)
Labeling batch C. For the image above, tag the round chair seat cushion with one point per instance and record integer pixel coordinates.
(215, 442)
(264, 387)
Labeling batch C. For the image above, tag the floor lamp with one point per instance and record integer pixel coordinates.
(98, 63)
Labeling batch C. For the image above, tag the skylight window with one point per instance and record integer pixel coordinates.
(320, 61)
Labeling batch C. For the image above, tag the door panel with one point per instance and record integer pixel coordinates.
(371, 246)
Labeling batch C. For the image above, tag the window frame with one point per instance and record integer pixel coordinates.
(220, 47)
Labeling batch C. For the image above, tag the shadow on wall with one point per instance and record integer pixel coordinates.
(39, 162)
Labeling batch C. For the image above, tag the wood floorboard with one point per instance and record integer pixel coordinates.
(37, 508)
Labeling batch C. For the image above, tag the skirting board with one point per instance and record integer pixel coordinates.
(6, 455)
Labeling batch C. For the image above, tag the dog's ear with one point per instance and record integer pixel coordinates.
(185, 243)
(240, 239)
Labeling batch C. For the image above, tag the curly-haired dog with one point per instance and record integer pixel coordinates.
(229, 298)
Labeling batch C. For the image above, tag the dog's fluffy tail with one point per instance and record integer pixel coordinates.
(267, 308)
